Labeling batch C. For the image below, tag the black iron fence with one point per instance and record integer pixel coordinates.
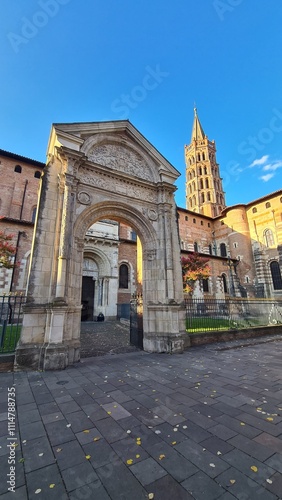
(11, 314)
(212, 315)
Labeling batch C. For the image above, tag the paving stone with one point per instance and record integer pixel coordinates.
(48, 408)
(226, 409)
(129, 422)
(148, 436)
(110, 429)
(120, 396)
(43, 398)
(273, 443)
(167, 488)
(88, 435)
(41, 479)
(223, 432)
(252, 448)
(243, 487)
(232, 423)
(68, 407)
(146, 416)
(101, 453)
(168, 433)
(29, 417)
(37, 453)
(95, 491)
(32, 431)
(275, 462)
(207, 410)
(79, 475)
(119, 482)
(69, 454)
(59, 433)
(128, 449)
(203, 459)
(244, 462)
(215, 445)
(200, 420)
(117, 412)
(194, 431)
(52, 417)
(276, 486)
(175, 464)
(18, 494)
(202, 487)
(148, 471)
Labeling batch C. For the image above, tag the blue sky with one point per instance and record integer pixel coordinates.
(92, 60)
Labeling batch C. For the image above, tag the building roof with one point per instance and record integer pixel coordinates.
(20, 158)
(197, 130)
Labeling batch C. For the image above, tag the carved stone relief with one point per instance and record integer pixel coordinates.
(127, 188)
(84, 198)
(122, 159)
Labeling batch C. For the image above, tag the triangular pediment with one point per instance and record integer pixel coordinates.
(115, 145)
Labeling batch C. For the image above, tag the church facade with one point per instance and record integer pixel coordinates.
(243, 242)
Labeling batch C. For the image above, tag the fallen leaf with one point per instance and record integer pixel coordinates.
(254, 468)
(151, 496)
(109, 412)
(219, 453)
(37, 491)
(212, 465)
(232, 481)
(52, 486)
(157, 432)
(137, 456)
(58, 450)
(86, 431)
(129, 462)
(87, 457)
(128, 432)
(68, 425)
(96, 438)
(270, 419)
(21, 460)
(269, 481)
(242, 423)
(161, 457)
(40, 454)
(174, 442)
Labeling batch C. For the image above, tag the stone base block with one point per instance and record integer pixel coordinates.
(169, 344)
(46, 356)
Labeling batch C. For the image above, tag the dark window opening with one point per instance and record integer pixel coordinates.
(223, 251)
(123, 276)
(18, 169)
(37, 174)
(276, 275)
(205, 285)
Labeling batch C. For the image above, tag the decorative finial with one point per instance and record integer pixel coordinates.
(195, 109)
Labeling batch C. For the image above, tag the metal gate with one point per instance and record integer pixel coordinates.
(10, 321)
(136, 321)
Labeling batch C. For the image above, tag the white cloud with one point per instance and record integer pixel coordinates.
(272, 166)
(266, 177)
(260, 161)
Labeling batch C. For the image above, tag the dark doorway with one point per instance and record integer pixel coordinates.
(87, 298)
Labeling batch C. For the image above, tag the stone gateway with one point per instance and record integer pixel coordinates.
(98, 171)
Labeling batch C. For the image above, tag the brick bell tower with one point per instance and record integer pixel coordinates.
(204, 193)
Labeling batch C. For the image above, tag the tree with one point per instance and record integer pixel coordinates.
(7, 250)
(194, 268)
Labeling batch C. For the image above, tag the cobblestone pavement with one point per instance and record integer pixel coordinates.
(203, 425)
(99, 338)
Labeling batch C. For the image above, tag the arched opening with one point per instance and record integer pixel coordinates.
(224, 283)
(276, 275)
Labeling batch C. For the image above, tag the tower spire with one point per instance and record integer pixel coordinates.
(197, 130)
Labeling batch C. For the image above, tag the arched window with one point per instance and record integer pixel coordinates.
(207, 183)
(200, 171)
(33, 214)
(254, 210)
(203, 156)
(37, 174)
(209, 196)
(123, 276)
(201, 184)
(205, 171)
(222, 248)
(18, 169)
(276, 275)
(199, 157)
(267, 205)
(196, 248)
(224, 282)
(210, 249)
(203, 198)
(268, 238)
